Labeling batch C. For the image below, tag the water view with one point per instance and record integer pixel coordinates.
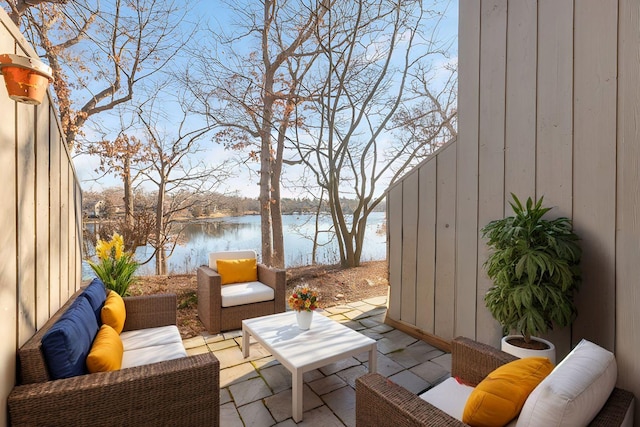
(243, 232)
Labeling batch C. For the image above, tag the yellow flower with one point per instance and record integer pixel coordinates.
(117, 245)
(103, 249)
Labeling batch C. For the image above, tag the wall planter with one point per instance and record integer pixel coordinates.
(26, 78)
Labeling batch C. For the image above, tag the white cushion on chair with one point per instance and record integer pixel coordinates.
(140, 338)
(575, 391)
(246, 293)
(449, 396)
(214, 256)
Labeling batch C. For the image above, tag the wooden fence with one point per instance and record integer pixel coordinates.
(549, 105)
(40, 213)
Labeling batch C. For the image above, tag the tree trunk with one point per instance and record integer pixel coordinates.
(160, 261)
(276, 224)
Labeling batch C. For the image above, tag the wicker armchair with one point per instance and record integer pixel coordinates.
(183, 391)
(217, 318)
(380, 402)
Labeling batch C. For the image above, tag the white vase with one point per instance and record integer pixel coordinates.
(520, 352)
(304, 318)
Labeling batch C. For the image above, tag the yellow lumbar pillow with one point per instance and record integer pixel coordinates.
(237, 270)
(106, 351)
(500, 396)
(114, 313)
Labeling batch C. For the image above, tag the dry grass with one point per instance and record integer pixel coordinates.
(335, 284)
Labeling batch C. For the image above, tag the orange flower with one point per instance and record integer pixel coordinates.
(303, 298)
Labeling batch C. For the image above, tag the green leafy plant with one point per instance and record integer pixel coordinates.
(115, 267)
(534, 265)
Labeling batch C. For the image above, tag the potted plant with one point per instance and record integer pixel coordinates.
(26, 78)
(115, 266)
(304, 300)
(534, 265)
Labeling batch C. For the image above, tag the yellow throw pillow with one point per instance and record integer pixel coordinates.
(237, 270)
(106, 351)
(500, 396)
(114, 312)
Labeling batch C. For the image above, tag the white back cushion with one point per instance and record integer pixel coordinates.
(243, 254)
(575, 391)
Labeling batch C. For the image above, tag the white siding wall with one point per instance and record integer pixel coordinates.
(549, 105)
(40, 216)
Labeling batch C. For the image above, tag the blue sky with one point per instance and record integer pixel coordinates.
(245, 183)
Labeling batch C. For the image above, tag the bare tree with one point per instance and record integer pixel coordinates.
(251, 96)
(376, 54)
(100, 51)
(120, 157)
(175, 174)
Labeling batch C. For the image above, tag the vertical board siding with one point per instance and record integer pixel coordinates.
(34, 194)
(409, 248)
(26, 171)
(520, 110)
(554, 162)
(549, 105)
(493, 46)
(445, 243)
(627, 319)
(55, 256)
(467, 168)
(395, 236)
(595, 73)
(426, 268)
(64, 231)
(554, 145)
(42, 214)
(8, 238)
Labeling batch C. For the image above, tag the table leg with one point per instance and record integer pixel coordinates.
(296, 397)
(245, 343)
(373, 359)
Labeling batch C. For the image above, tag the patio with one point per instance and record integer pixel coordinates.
(257, 391)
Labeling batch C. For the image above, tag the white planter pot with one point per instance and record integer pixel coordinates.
(304, 319)
(525, 352)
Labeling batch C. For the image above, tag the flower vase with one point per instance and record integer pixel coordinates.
(304, 318)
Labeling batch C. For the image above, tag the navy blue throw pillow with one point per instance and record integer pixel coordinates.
(68, 342)
(96, 293)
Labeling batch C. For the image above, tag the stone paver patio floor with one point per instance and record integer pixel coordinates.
(256, 391)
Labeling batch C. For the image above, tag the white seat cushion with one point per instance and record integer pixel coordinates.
(449, 396)
(132, 340)
(246, 293)
(214, 256)
(153, 354)
(575, 391)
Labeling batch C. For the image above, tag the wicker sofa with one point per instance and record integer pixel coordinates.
(181, 391)
(380, 402)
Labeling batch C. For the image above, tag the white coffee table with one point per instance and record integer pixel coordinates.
(300, 351)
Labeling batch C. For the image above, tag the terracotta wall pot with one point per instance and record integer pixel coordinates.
(26, 78)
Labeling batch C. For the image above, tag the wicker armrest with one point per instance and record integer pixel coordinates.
(150, 311)
(614, 410)
(380, 402)
(472, 361)
(182, 391)
(277, 279)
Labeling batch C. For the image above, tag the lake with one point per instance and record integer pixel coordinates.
(243, 232)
